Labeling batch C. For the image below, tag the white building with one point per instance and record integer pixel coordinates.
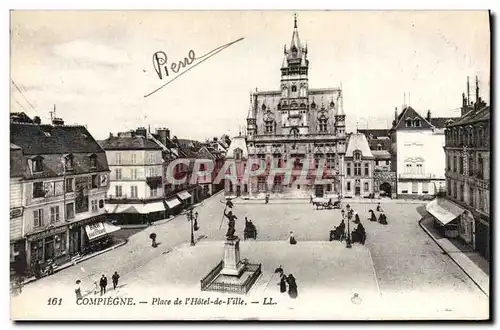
(418, 154)
(136, 180)
(359, 166)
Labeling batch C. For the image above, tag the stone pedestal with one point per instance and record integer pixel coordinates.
(232, 263)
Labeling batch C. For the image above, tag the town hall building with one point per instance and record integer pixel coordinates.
(300, 125)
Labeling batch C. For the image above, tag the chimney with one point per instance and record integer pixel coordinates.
(141, 131)
(57, 121)
(110, 135)
(477, 94)
(215, 139)
(396, 114)
(428, 115)
(163, 135)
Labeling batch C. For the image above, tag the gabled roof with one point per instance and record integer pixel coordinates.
(410, 113)
(129, 143)
(358, 141)
(473, 117)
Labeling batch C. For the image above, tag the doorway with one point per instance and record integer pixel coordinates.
(318, 190)
(386, 189)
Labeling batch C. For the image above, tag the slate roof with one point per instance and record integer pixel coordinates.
(237, 142)
(374, 133)
(129, 143)
(46, 139)
(358, 141)
(16, 161)
(409, 112)
(52, 143)
(440, 122)
(473, 117)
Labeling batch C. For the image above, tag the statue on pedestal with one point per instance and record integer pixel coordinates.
(231, 224)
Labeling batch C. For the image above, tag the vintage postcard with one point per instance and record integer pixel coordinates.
(250, 165)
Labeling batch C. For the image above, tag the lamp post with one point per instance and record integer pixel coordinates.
(349, 216)
(193, 219)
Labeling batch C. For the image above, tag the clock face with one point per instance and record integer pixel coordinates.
(104, 180)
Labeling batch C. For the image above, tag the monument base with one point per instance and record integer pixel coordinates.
(231, 274)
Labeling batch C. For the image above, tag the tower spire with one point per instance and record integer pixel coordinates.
(294, 21)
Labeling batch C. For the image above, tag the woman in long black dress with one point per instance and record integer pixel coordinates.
(382, 219)
(292, 287)
(283, 283)
(373, 217)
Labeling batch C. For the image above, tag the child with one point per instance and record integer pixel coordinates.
(95, 288)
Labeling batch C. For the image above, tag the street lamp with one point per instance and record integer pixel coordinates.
(193, 218)
(349, 216)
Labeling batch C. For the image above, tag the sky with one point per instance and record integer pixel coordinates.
(96, 67)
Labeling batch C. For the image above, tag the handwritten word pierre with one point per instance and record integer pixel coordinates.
(165, 69)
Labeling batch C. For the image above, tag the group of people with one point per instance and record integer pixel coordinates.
(103, 283)
(290, 282)
(382, 218)
(357, 235)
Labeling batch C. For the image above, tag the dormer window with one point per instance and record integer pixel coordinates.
(417, 122)
(37, 164)
(68, 162)
(357, 155)
(408, 122)
(379, 146)
(93, 160)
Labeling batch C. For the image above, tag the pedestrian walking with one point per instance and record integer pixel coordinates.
(103, 283)
(78, 290)
(292, 239)
(95, 288)
(292, 286)
(115, 278)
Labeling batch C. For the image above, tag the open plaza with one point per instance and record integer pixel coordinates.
(399, 271)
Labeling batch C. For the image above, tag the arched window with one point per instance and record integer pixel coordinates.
(408, 122)
(379, 146)
(357, 155)
(294, 88)
(313, 105)
(416, 123)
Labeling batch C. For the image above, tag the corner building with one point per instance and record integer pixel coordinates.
(299, 125)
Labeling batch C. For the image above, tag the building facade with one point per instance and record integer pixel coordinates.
(296, 125)
(384, 179)
(468, 165)
(359, 167)
(135, 193)
(417, 154)
(65, 177)
(17, 242)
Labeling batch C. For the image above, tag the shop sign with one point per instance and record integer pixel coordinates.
(95, 230)
(17, 212)
(46, 233)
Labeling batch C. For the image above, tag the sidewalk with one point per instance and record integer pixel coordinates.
(469, 261)
(76, 261)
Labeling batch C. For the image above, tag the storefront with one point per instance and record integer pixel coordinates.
(47, 245)
(173, 207)
(482, 235)
(446, 216)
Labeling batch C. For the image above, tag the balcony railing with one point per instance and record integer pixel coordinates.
(417, 176)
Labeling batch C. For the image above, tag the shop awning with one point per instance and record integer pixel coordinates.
(126, 208)
(153, 207)
(443, 210)
(95, 230)
(171, 203)
(183, 195)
